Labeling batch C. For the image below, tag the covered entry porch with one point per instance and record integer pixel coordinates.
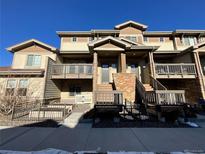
(116, 64)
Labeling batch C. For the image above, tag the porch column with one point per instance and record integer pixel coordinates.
(123, 62)
(95, 71)
(200, 73)
(152, 67)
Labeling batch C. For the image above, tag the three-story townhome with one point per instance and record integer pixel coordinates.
(111, 66)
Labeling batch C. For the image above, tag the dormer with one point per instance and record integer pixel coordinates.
(131, 30)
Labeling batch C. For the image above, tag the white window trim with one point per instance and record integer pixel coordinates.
(34, 66)
(136, 36)
(15, 83)
(23, 79)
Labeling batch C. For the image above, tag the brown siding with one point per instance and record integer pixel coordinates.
(52, 88)
(191, 87)
(186, 58)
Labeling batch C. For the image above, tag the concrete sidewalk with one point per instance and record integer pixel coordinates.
(84, 137)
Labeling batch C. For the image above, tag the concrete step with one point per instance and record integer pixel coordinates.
(148, 87)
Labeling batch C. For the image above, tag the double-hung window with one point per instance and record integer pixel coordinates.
(10, 87)
(201, 39)
(33, 60)
(145, 39)
(22, 88)
(74, 39)
(161, 39)
(131, 38)
(189, 40)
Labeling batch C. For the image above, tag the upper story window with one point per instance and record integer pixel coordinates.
(145, 39)
(131, 38)
(189, 40)
(22, 88)
(33, 60)
(74, 39)
(161, 39)
(201, 39)
(10, 87)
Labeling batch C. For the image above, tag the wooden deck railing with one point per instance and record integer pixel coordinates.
(156, 84)
(175, 69)
(161, 97)
(108, 98)
(148, 97)
(72, 70)
(170, 97)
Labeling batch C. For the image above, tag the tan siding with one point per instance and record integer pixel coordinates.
(82, 39)
(79, 39)
(178, 41)
(140, 39)
(85, 85)
(20, 57)
(153, 39)
(35, 85)
(130, 30)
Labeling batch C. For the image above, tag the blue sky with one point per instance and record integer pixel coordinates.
(40, 19)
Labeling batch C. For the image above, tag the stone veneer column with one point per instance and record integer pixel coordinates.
(151, 61)
(95, 71)
(123, 62)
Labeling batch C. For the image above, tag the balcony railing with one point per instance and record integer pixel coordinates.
(161, 97)
(170, 97)
(60, 71)
(175, 70)
(108, 98)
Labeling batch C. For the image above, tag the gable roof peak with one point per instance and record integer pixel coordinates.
(133, 23)
(29, 42)
(108, 38)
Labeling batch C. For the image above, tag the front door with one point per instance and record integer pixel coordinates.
(105, 73)
(136, 70)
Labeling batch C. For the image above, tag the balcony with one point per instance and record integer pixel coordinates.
(72, 71)
(175, 71)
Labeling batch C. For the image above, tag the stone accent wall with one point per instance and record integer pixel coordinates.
(126, 83)
(191, 87)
